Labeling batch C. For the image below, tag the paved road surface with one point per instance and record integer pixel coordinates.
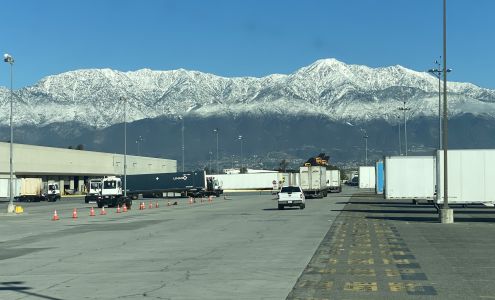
(241, 248)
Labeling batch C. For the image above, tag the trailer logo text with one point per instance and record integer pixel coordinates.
(180, 178)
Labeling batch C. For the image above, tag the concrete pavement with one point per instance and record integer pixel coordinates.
(243, 248)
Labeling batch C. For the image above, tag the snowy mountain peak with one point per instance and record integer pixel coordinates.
(327, 87)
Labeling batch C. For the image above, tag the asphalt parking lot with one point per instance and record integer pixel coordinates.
(241, 247)
(379, 249)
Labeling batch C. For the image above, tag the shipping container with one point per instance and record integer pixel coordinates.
(379, 177)
(366, 177)
(410, 177)
(253, 181)
(471, 175)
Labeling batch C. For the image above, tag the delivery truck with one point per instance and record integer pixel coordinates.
(313, 181)
(190, 184)
(334, 183)
(34, 190)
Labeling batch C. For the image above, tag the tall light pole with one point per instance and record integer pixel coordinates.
(405, 109)
(216, 132)
(438, 73)
(10, 60)
(182, 138)
(365, 137)
(240, 139)
(400, 144)
(446, 214)
(138, 142)
(125, 145)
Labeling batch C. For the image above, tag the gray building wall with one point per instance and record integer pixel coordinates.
(67, 165)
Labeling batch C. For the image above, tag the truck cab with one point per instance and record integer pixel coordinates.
(111, 193)
(51, 192)
(94, 190)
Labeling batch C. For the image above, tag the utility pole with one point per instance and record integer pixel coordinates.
(10, 208)
(400, 144)
(404, 109)
(125, 145)
(216, 132)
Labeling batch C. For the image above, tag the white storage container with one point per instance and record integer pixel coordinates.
(410, 177)
(366, 177)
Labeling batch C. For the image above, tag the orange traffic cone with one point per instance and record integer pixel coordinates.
(55, 216)
(210, 199)
(74, 214)
(150, 206)
(118, 208)
(124, 208)
(92, 212)
(141, 206)
(156, 204)
(103, 212)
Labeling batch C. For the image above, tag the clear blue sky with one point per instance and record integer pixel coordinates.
(243, 38)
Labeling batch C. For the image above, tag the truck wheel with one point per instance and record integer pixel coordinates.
(302, 206)
(280, 206)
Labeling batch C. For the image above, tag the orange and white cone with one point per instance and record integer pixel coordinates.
(92, 212)
(150, 206)
(74, 214)
(103, 212)
(156, 204)
(124, 208)
(118, 208)
(55, 216)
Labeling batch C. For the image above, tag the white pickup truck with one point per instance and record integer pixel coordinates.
(291, 196)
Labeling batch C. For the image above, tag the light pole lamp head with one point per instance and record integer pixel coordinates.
(8, 58)
(240, 137)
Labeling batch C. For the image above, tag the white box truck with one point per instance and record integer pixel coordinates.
(333, 181)
(313, 181)
(471, 175)
(366, 177)
(410, 177)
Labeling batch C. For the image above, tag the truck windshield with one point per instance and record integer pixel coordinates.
(109, 184)
(95, 185)
(290, 189)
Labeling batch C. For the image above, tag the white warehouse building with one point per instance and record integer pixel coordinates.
(72, 168)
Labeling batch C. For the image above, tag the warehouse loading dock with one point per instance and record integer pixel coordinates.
(72, 168)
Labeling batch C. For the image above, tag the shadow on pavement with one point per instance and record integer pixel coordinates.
(18, 287)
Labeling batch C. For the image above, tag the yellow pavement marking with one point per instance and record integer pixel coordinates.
(361, 261)
(387, 261)
(403, 286)
(321, 271)
(361, 286)
(386, 252)
(362, 272)
(327, 285)
(392, 273)
(361, 252)
(360, 245)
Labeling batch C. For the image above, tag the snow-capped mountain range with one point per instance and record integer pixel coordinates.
(327, 87)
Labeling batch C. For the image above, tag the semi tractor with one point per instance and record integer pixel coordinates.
(94, 190)
(187, 184)
(111, 193)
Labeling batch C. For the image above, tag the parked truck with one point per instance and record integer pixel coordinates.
(111, 193)
(190, 184)
(34, 190)
(94, 190)
(334, 183)
(313, 181)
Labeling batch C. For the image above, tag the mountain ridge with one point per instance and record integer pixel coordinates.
(342, 92)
